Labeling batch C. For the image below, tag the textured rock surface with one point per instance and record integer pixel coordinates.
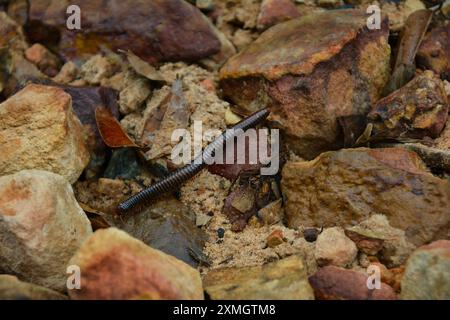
(41, 226)
(285, 279)
(154, 30)
(427, 273)
(333, 283)
(11, 34)
(166, 226)
(310, 76)
(43, 58)
(333, 247)
(417, 110)
(38, 130)
(275, 11)
(12, 288)
(114, 265)
(434, 51)
(345, 187)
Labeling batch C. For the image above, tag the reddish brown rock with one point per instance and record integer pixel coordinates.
(115, 266)
(156, 30)
(434, 51)
(333, 283)
(275, 11)
(345, 187)
(275, 238)
(365, 243)
(417, 110)
(43, 58)
(310, 71)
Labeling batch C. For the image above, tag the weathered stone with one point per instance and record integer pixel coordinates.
(97, 69)
(154, 30)
(285, 279)
(114, 266)
(12, 288)
(310, 71)
(276, 11)
(427, 273)
(345, 187)
(38, 130)
(41, 226)
(272, 213)
(333, 283)
(11, 34)
(417, 110)
(166, 217)
(133, 96)
(434, 51)
(275, 238)
(43, 58)
(376, 231)
(68, 73)
(334, 248)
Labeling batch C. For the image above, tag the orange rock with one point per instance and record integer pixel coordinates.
(275, 238)
(117, 266)
(45, 60)
(434, 51)
(275, 11)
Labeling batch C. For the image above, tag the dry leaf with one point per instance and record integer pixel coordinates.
(111, 131)
(143, 68)
(95, 217)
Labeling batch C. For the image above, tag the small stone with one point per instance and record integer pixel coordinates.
(434, 49)
(12, 288)
(39, 130)
(311, 234)
(365, 243)
(417, 110)
(68, 73)
(43, 58)
(41, 227)
(285, 279)
(333, 247)
(117, 266)
(11, 34)
(221, 233)
(97, 68)
(134, 95)
(275, 238)
(333, 283)
(272, 213)
(275, 11)
(427, 273)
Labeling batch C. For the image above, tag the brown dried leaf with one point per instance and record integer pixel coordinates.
(111, 131)
(97, 218)
(143, 68)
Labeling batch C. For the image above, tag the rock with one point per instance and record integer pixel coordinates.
(41, 226)
(334, 248)
(275, 11)
(285, 279)
(310, 71)
(345, 187)
(38, 130)
(275, 238)
(12, 288)
(153, 30)
(43, 58)
(11, 34)
(427, 273)
(68, 73)
(333, 283)
(123, 164)
(133, 96)
(117, 266)
(97, 69)
(433, 51)
(272, 213)
(417, 110)
(395, 247)
(330, 3)
(18, 11)
(167, 217)
(365, 241)
(231, 118)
